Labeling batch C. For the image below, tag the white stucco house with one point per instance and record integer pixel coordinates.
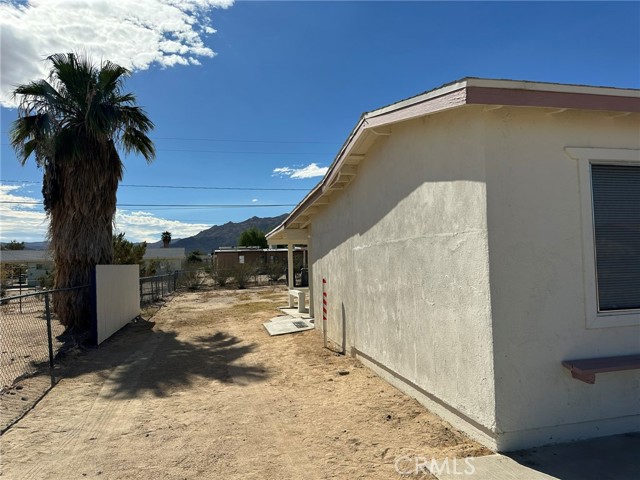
(35, 263)
(39, 263)
(480, 244)
(166, 259)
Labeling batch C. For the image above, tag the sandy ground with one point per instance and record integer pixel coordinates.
(201, 391)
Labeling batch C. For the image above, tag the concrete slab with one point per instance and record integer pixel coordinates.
(491, 467)
(283, 318)
(282, 327)
(294, 313)
(607, 458)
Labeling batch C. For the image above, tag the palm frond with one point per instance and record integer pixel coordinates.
(29, 134)
(110, 78)
(134, 140)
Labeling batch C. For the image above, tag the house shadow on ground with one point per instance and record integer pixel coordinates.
(141, 359)
(606, 458)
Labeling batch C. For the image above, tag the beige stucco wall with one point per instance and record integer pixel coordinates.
(455, 264)
(538, 293)
(404, 252)
(117, 298)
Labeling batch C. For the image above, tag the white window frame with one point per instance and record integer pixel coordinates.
(586, 156)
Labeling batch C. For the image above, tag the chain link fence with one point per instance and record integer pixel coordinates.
(31, 338)
(157, 287)
(29, 342)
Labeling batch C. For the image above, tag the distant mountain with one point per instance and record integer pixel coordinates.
(207, 240)
(223, 235)
(35, 245)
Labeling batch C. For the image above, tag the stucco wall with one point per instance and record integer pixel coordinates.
(117, 298)
(537, 280)
(404, 252)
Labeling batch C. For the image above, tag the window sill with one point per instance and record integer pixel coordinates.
(586, 369)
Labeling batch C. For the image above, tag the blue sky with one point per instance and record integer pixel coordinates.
(287, 84)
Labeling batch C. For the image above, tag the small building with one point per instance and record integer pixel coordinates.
(34, 264)
(166, 259)
(39, 263)
(228, 257)
(480, 245)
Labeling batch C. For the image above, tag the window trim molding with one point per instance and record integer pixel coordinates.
(586, 156)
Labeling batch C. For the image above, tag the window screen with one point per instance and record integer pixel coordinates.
(616, 217)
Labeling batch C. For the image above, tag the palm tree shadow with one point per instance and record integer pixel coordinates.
(140, 360)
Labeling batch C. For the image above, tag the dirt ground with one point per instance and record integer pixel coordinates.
(201, 391)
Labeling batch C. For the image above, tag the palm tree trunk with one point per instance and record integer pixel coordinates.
(79, 237)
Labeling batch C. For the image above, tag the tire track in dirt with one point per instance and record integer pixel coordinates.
(109, 405)
(257, 401)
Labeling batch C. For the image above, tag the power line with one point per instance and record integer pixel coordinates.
(170, 205)
(242, 152)
(190, 187)
(301, 142)
(238, 140)
(230, 152)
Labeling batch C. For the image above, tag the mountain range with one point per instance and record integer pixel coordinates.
(207, 240)
(221, 235)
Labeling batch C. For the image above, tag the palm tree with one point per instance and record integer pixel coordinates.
(73, 123)
(166, 239)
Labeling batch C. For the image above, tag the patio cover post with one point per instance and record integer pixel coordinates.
(290, 270)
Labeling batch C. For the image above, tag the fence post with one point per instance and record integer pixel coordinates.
(47, 310)
(162, 283)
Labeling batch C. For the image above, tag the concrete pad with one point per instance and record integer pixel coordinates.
(607, 458)
(294, 313)
(287, 326)
(491, 467)
(283, 318)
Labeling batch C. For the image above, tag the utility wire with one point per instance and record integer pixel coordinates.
(188, 205)
(231, 152)
(237, 140)
(301, 142)
(31, 182)
(249, 152)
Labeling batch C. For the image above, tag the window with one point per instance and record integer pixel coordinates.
(240, 258)
(616, 224)
(610, 205)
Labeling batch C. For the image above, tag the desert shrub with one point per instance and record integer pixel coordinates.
(220, 275)
(275, 270)
(241, 273)
(191, 278)
(46, 280)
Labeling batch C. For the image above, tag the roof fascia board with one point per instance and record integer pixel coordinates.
(553, 99)
(452, 99)
(470, 91)
(551, 87)
(418, 99)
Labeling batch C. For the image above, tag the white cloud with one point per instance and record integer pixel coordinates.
(29, 222)
(132, 33)
(310, 171)
(19, 221)
(140, 226)
(254, 200)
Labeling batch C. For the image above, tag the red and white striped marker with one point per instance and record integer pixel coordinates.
(324, 312)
